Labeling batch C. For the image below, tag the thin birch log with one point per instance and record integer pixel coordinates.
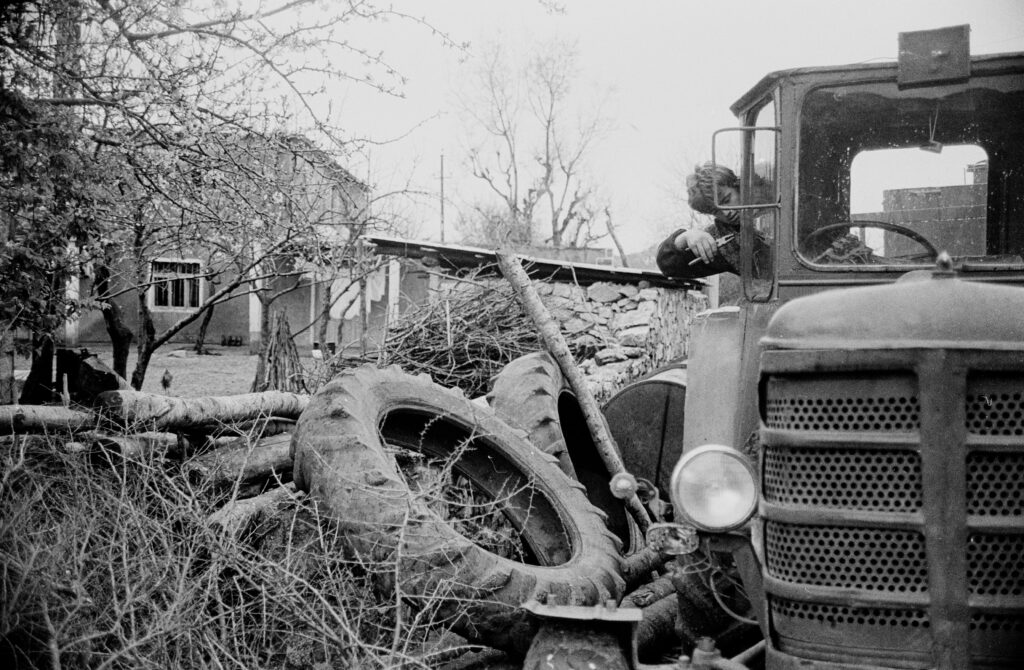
(556, 345)
(43, 419)
(253, 430)
(239, 516)
(244, 461)
(146, 411)
(138, 445)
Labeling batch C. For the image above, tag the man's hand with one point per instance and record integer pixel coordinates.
(701, 243)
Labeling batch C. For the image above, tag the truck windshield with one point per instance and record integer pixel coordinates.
(890, 178)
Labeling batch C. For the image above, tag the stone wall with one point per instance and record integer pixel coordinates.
(631, 330)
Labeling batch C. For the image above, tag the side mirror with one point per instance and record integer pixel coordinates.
(753, 149)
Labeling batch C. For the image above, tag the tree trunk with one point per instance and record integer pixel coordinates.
(238, 516)
(147, 329)
(364, 321)
(147, 334)
(201, 336)
(325, 315)
(615, 237)
(261, 362)
(43, 419)
(8, 386)
(120, 334)
(245, 462)
(148, 411)
(139, 445)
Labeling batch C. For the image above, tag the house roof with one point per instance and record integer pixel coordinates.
(455, 257)
(314, 154)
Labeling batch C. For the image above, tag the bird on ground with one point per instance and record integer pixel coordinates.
(166, 379)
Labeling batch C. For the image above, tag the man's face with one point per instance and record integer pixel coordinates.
(729, 195)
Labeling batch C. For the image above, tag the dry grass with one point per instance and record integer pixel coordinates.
(108, 563)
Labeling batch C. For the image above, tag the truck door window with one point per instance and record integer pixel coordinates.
(889, 178)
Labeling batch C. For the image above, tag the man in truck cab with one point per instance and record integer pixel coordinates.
(701, 252)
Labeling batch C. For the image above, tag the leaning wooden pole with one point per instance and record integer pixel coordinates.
(556, 345)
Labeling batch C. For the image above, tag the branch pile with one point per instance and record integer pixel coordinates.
(461, 338)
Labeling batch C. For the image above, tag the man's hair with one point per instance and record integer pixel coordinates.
(701, 184)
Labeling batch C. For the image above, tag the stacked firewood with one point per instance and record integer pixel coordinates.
(240, 441)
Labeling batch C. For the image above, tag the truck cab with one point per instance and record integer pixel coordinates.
(871, 375)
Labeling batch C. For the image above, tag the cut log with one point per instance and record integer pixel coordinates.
(43, 419)
(244, 462)
(135, 410)
(240, 516)
(253, 430)
(139, 445)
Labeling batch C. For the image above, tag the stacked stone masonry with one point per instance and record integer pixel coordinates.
(631, 330)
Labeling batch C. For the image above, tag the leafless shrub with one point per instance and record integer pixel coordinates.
(112, 563)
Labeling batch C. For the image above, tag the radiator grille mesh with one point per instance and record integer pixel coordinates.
(886, 560)
(996, 564)
(858, 479)
(995, 404)
(876, 559)
(885, 403)
(995, 484)
(836, 615)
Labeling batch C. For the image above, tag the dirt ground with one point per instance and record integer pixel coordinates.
(228, 371)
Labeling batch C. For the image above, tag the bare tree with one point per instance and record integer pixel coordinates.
(533, 140)
(490, 224)
(194, 111)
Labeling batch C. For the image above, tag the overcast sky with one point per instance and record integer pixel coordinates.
(673, 68)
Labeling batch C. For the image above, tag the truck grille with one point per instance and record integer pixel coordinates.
(855, 570)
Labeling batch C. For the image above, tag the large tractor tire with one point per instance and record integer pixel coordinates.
(531, 393)
(347, 448)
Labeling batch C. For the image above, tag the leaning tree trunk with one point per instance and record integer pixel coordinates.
(201, 335)
(120, 334)
(147, 336)
(324, 318)
(554, 342)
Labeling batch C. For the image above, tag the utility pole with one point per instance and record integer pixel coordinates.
(442, 197)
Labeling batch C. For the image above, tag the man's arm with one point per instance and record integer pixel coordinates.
(682, 254)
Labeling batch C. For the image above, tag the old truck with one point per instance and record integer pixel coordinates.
(854, 427)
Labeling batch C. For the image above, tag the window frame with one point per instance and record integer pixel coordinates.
(192, 286)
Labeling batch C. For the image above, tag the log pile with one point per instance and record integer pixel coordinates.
(239, 442)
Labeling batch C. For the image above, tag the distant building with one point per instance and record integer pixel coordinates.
(182, 278)
(951, 217)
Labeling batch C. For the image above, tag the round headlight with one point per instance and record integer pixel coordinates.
(713, 487)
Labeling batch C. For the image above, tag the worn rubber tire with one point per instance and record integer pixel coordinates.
(525, 394)
(575, 646)
(341, 460)
(531, 393)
